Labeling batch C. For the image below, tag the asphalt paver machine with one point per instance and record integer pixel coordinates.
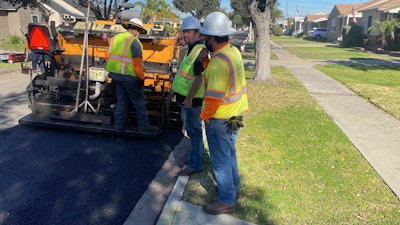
(74, 91)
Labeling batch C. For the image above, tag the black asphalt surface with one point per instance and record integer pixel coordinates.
(51, 177)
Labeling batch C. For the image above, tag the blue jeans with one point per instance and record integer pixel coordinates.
(129, 88)
(222, 147)
(193, 126)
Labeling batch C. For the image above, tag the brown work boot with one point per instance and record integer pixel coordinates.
(218, 208)
(186, 172)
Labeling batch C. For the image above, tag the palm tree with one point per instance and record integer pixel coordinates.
(380, 26)
(276, 14)
(154, 9)
(392, 25)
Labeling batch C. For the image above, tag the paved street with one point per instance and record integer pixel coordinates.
(64, 177)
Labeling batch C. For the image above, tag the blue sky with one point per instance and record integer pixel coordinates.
(305, 6)
(312, 6)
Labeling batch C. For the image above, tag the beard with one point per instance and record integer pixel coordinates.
(208, 45)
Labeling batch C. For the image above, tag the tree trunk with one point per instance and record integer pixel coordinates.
(261, 21)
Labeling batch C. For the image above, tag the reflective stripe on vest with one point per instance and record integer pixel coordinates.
(234, 100)
(186, 68)
(184, 78)
(120, 57)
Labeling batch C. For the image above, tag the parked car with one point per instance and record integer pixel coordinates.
(287, 32)
(12, 57)
(318, 33)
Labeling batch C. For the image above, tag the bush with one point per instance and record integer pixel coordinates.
(352, 37)
(397, 42)
(277, 31)
(301, 35)
(14, 39)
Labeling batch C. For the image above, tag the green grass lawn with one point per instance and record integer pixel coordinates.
(333, 52)
(308, 49)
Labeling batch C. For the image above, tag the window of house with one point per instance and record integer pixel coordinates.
(35, 18)
(369, 24)
(333, 26)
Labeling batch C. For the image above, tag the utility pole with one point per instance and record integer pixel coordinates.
(287, 10)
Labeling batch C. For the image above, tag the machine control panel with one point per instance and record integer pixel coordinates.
(98, 28)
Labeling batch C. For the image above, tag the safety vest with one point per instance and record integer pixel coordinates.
(184, 78)
(226, 80)
(120, 54)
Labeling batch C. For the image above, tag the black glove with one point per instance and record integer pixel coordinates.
(234, 123)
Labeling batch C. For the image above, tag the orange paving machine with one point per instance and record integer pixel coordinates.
(73, 91)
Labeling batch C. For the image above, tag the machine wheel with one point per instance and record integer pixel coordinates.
(10, 61)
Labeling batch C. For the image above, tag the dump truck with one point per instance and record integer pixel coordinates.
(74, 90)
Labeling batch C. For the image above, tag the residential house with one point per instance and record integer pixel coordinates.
(315, 20)
(298, 24)
(65, 10)
(364, 14)
(382, 10)
(15, 18)
(342, 15)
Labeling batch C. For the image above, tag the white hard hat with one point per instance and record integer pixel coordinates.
(217, 24)
(190, 22)
(135, 23)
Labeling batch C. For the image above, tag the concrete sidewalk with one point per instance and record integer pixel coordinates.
(375, 134)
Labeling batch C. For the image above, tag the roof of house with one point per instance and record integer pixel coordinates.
(7, 6)
(383, 5)
(317, 17)
(345, 9)
(69, 7)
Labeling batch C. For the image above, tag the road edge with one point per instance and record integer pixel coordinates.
(149, 207)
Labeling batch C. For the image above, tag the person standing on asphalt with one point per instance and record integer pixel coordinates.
(188, 86)
(224, 102)
(126, 70)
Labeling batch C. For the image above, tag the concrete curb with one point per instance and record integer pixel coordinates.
(173, 202)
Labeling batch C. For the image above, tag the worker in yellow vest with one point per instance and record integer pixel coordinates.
(224, 103)
(188, 87)
(126, 71)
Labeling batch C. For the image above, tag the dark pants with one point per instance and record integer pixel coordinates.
(129, 88)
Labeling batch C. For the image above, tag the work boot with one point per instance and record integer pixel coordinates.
(186, 172)
(218, 208)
